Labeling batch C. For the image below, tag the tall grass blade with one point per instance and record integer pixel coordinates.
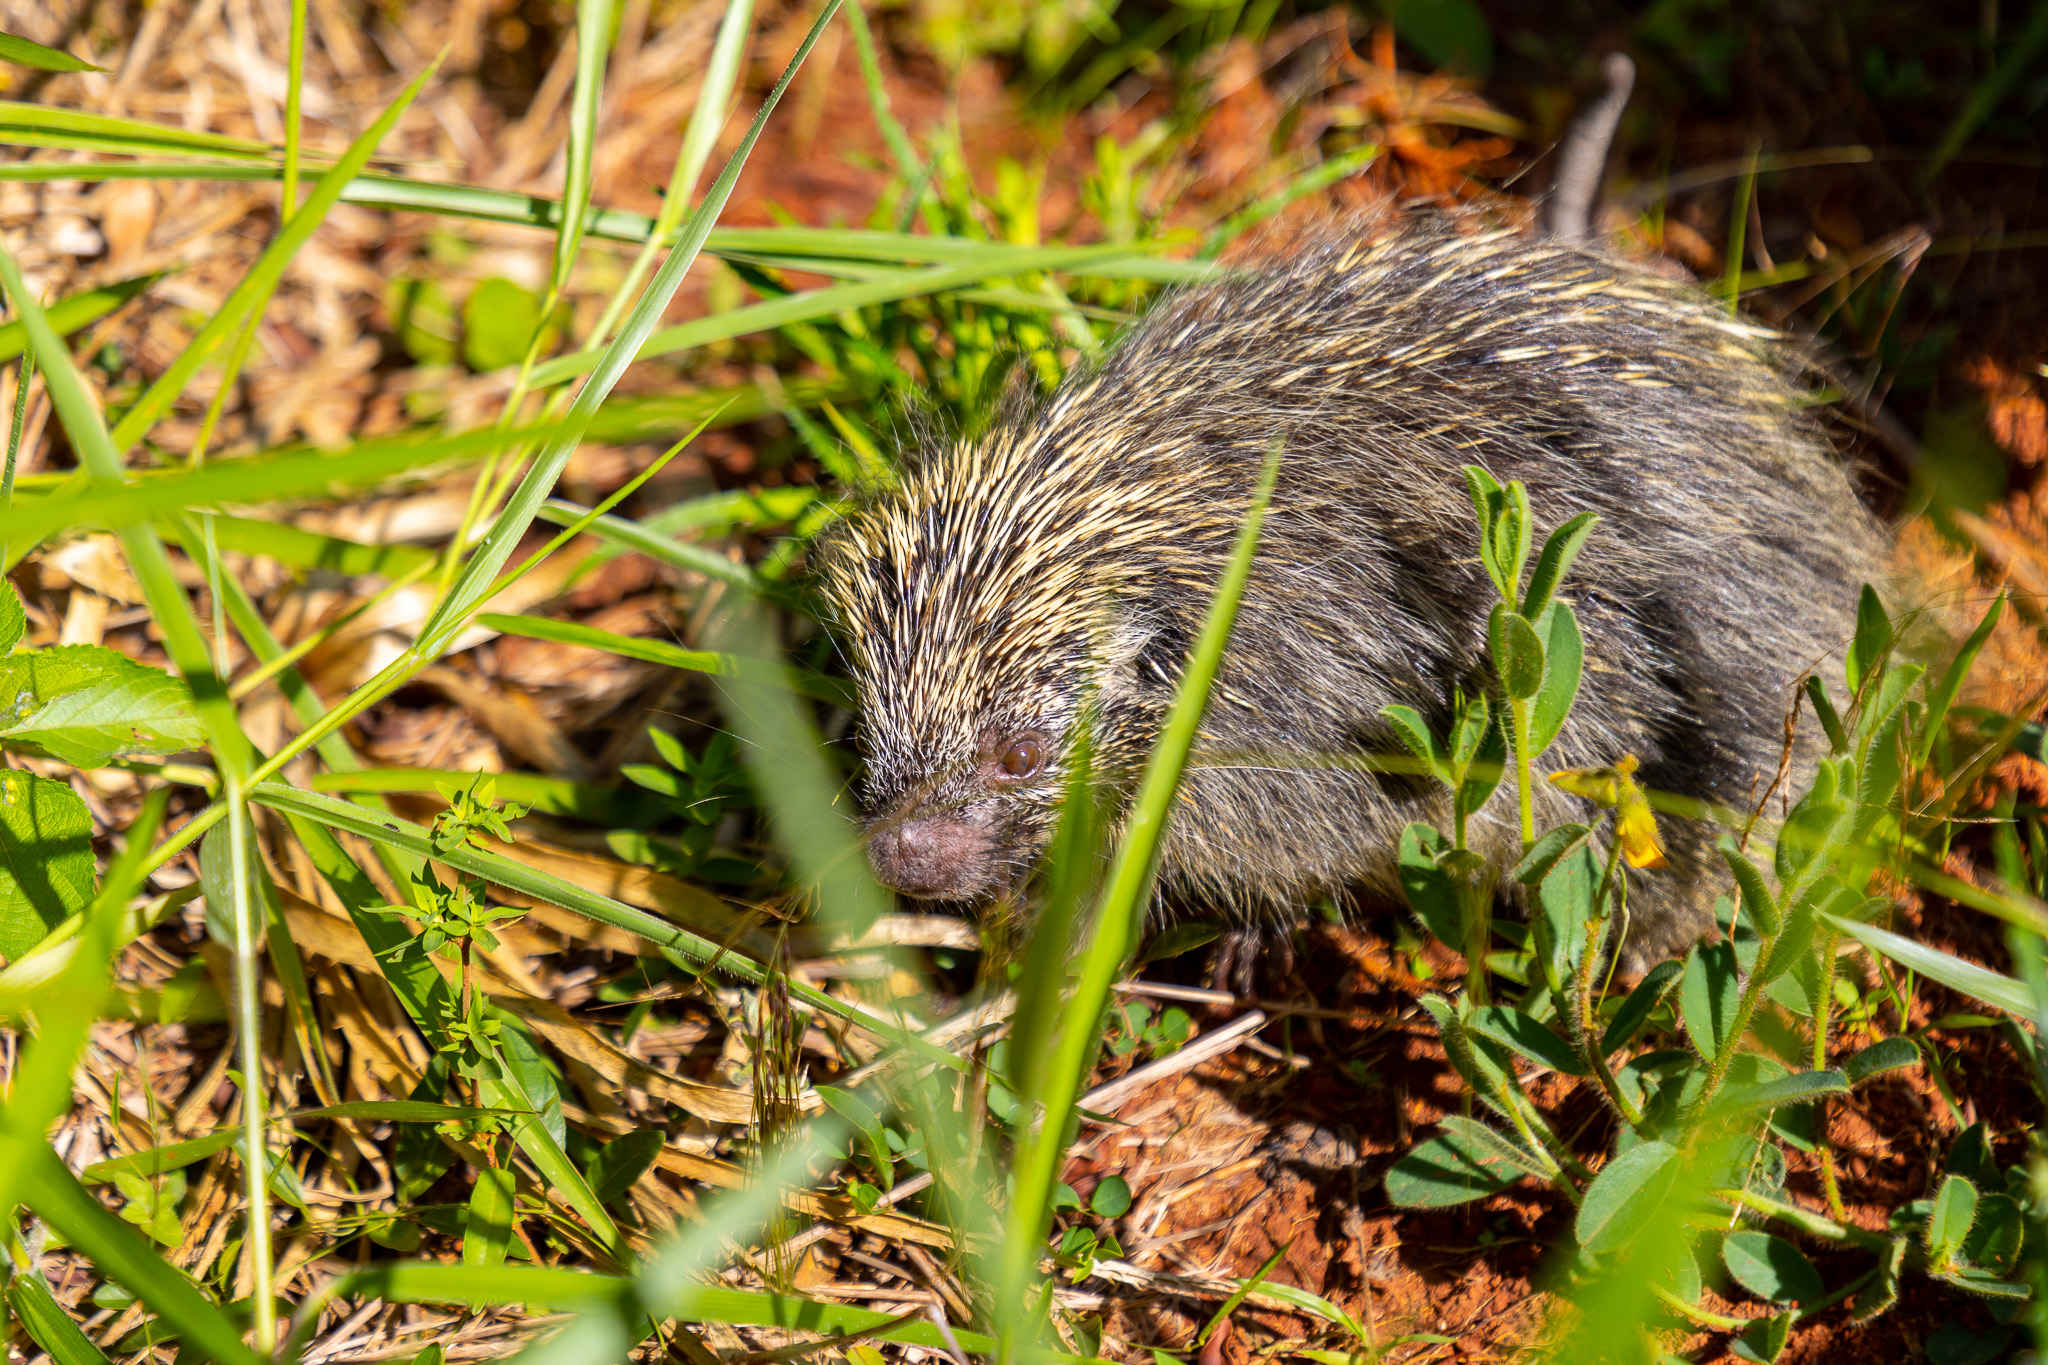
(114, 504)
(831, 300)
(121, 1254)
(1117, 921)
(255, 288)
(470, 589)
(593, 46)
(700, 136)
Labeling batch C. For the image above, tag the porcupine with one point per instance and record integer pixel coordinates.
(1064, 561)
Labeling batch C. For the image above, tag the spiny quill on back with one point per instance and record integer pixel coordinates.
(1064, 561)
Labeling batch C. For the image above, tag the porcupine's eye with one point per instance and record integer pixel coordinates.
(1022, 757)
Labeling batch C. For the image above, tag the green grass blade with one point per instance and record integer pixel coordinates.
(700, 136)
(47, 1324)
(568, 1291)
(77, 311)
(22, 52)
(1993, 988)
(309, 474)
(1128, 894)
(1986, 94)
(506, 872)
(122, 1255)
(471, 588)
(797, 788)
(714, 99)
(831, 300)
(908, 164)
(295, 80)
(310, 550)
(593, 46)
(40, 125)
(256, 287)
(800, 681)
(614, 807)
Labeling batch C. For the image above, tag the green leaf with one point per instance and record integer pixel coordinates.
(1993, 988)
(801, 681)
(86, 703)
(1830, 720)
(1943, 694)
(1996, 1237)
(1707, 997)
(1872, 643)
(1479, 1137)
(1642, 1002)
(1794, 1089)
(498, 320)
(47, 1324)
(1548, 850)
(1111, 1197)
(868, 1124)
(13, 617)
(1487, 766)
(1446, 1170)
(1812, 819)
(300, 549)
(46, 862)
(1771, 1268)
(1888, 1054)
(1432, 889)
(1565, 909)
(1529, 1036)
(487, 1235)
(154, 1161)
(1626, 1196)
(1421, 741)
(77, 311)
(1555, 561)
(22, 52)
(1883, 1292)
(1948, 1223)
(622, 1161)
(1564, 659)
(1764, 1340)
(1517, 652)
(1757, 901)
(261, 479)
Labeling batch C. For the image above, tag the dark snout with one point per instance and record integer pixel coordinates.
(936, 857)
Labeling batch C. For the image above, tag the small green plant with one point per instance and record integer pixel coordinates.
(1716, 1066)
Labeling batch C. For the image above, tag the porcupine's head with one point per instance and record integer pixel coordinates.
(983, 604)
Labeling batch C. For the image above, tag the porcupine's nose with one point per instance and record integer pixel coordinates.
(938, 857)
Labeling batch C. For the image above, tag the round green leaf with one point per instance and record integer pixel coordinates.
(1112, 1197)
(1771, 1267)
(1627, 1194)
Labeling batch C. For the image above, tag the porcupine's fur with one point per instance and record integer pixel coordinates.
(1072, 551)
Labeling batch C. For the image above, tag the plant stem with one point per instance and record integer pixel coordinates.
(1518, 715)
(1583, 1022)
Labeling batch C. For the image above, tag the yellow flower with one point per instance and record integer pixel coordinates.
(1615, 789)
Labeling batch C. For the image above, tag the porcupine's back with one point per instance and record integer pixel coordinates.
(1726, 562)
